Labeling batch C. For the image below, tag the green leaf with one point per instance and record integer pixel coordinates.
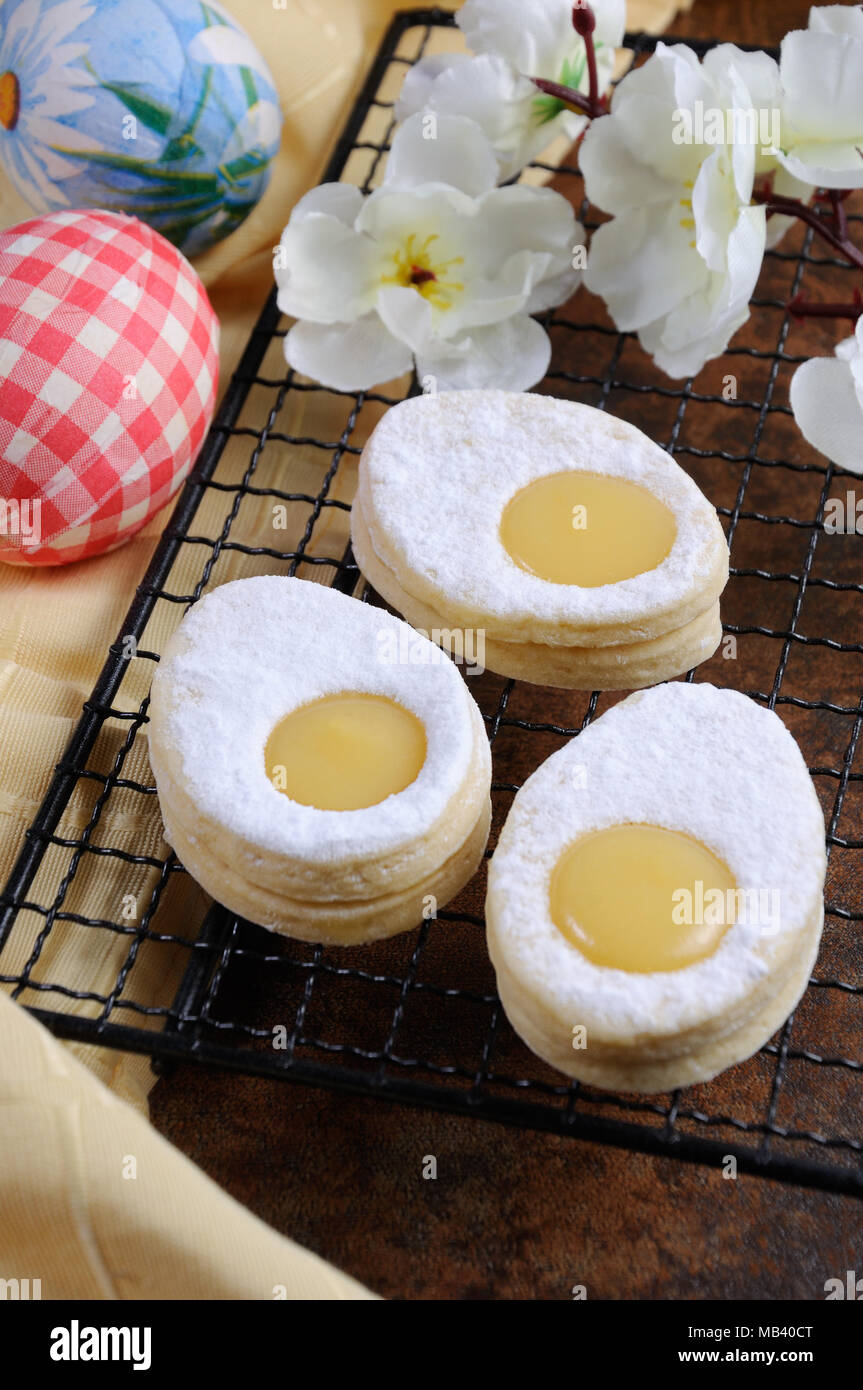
(201, 102)
(213, 20)
(545, 107)
(178, 181)
(168, 201)
(249, 86)
(240, 168)
(150, 113)
(179, 229)
(181, 147)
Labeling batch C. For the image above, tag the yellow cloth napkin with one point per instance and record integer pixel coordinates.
(70, 1216)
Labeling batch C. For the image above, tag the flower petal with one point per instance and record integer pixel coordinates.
(614, 178)
(488, 90)
(828, 164)
(701, 327)
(823, 110)
(406, 315)
(715, 207)
(341, 200)
(643, 266)
(512, 356)
(829, 411)
(325, 270)
(450, 149)
(837, 19)
(347, 356)
(421, 79)
(534, 39)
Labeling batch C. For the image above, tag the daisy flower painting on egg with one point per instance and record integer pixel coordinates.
(163, 109)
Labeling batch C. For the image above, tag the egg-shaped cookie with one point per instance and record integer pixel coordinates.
(317, 774)
(655, 900)
(581, 551)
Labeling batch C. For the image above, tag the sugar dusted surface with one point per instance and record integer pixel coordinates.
(694, 758)
(439, 470)
(252, 651)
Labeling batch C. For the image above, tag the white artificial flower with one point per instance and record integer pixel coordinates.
(827, 400)
(762, 78)
(822, 111)
(513, 42)
(679, 261)
(437, 267)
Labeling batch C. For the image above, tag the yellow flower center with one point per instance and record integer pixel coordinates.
(10, 100)
(688, 223)
(416, 267)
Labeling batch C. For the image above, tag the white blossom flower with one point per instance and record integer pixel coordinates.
(438, 266)
(822, 111)
(679, 261)
(827, 400)
(513, 42)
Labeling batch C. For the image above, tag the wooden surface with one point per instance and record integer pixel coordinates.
(515, 1214)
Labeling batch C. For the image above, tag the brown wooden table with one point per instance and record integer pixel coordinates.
(512, 1214)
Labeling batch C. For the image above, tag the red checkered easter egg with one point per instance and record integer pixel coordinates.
(108, 375)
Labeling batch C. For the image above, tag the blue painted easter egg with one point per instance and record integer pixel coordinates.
(160, 108)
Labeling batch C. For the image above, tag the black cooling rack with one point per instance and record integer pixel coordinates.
(417, 1019)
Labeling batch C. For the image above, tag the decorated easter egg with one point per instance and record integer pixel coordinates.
(160, 108)
(108, 374)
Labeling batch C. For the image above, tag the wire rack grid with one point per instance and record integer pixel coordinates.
(417, 1019)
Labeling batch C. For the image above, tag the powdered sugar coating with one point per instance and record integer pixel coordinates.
(252, 651)
(693, 758)
(438, 471)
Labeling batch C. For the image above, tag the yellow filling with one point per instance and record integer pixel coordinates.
(586, 529)
(642, 898)
(344, 752)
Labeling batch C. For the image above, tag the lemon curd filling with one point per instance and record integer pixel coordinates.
(641, 898)
(344, 752)
(586, 529)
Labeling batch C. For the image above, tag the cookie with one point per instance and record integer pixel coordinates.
(576, 546)
(655, 901)
(310, 777)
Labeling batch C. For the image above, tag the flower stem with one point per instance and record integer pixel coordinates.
(592, 105)
(840, 213)
(568, 95)
(801, 308)
(836, 235)
(584, 23)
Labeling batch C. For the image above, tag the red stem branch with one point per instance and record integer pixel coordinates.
(569, 96)
(592, 105)
(801, 308)
(835, 236)
(584, 23)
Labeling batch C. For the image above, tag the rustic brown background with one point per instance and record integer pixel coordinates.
(523, 1215)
